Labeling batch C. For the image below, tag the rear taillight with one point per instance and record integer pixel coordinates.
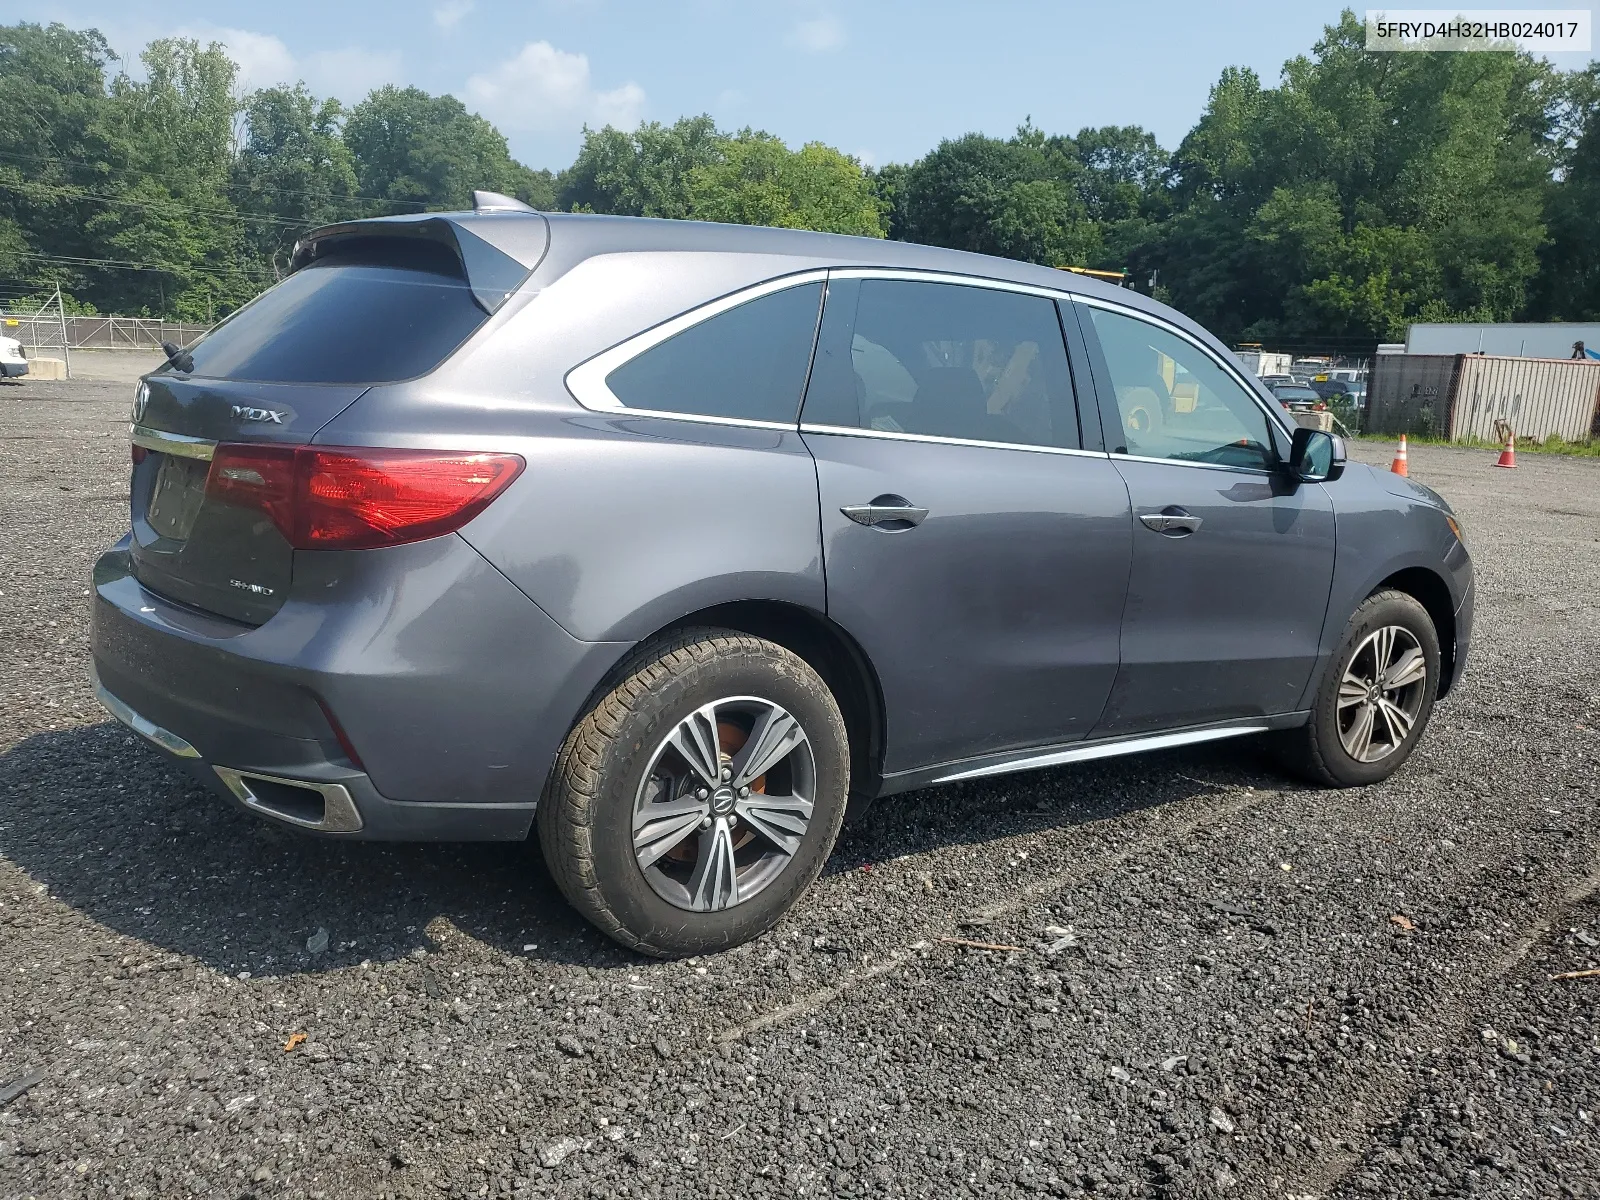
(357, 498)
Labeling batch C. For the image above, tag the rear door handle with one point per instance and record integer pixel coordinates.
(886, 510)
(1172, 521)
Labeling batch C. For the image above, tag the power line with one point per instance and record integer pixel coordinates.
(417, 205)
(69, 260)
(164, 205)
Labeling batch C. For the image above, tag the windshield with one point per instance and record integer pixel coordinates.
(379, 313)
(1295, 393)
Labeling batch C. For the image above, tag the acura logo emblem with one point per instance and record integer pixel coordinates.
(140, 399)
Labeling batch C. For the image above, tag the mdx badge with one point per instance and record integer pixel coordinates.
(276, 416)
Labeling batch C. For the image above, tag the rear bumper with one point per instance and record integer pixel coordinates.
(452, 687)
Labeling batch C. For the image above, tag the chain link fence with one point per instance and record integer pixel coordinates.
(47, 329)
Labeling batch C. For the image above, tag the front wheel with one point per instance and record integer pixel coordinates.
(1374, 701)
(696, 800)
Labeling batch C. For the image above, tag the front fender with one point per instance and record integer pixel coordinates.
(1381, 533)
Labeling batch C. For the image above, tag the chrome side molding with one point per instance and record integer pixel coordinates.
(147, 729)
(1103, 749)
(339, 812)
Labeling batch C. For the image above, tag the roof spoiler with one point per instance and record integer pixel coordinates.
(491, 273)
(490, 202)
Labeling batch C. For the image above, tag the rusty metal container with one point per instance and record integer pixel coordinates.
(1460, 396)
(1537, 397)
(1410, 393)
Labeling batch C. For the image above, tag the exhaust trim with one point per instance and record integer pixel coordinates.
(339, 812)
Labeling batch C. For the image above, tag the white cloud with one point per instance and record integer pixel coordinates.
(352, 72)
(866, 158)
(448, 15)
(264, 61)
(263, 58)
(817, 36)
(546, 89)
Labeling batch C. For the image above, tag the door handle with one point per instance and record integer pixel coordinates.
(1172, 521)
(886, 511)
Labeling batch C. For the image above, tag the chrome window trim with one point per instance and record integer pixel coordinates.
(587, 380)
(176, 444)
(895, 436)
(1168, 327)
(1184, 462)
(912, 276)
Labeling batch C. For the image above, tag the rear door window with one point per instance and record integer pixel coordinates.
(384, 311)
(943, 360)
(745, 363)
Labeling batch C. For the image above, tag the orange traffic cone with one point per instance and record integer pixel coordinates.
(1508, 456)
(1398, 466)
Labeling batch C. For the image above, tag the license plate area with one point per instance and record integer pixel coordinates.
(176, 496)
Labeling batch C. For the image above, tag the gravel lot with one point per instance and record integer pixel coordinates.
(1263, 989)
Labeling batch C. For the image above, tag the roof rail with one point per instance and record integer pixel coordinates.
(485, 202)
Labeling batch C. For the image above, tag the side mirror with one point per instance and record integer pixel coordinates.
(1316, 456)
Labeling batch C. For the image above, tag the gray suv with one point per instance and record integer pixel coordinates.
(675, 538)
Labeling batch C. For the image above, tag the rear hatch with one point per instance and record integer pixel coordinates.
(368, 303)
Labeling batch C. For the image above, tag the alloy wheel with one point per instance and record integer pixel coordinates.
(724, 804)
(1381, 693)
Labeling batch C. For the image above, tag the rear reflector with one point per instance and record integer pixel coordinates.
(358, 498)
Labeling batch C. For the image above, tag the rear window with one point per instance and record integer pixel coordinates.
(377, 313)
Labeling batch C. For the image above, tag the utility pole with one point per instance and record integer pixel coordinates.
(61, 317)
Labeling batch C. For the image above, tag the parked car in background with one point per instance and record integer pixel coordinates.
(1295, 395)
(666, 539)
(13, 359)
(1272, 381)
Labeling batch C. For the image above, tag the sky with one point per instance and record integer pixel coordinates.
(884, 80)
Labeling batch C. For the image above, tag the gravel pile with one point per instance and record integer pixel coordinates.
(1171, 976)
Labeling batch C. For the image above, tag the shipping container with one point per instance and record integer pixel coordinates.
(1460, 396)
(1530, 339)
(1410, 393)
(1263, 362)
(1537, 397)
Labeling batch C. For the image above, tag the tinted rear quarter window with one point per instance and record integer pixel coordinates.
(748, 362)
(943, 360)
(379, 313)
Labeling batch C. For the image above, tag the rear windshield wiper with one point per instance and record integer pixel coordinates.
(178, 357)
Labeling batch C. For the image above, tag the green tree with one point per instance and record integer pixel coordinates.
(1365, 191)
(757, 180)
(1017, 197)
(1569, 285)
(169, 149)
(293, 170)
(640, 174)
(413, 152)
(52, 102)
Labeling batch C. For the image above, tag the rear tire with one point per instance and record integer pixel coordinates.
(1366, 718)
(632, 777)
